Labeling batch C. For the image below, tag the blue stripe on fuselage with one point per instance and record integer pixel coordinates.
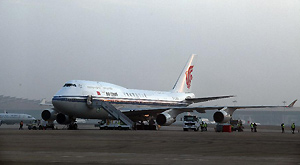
(120, 100)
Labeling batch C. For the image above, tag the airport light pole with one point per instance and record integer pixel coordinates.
(284, 102)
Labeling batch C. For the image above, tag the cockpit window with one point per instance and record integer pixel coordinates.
(69, 85)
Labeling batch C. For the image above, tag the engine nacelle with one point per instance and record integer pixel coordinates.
(49, 114)
(63, 119)
(165, 119)
(221, 117)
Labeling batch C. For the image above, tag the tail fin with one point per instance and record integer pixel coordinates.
(43, 101)
(184, 81)
(292, 104)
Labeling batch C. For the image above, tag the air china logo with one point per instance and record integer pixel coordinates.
(189, 77)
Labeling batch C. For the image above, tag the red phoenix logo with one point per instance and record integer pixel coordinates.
(189, 77)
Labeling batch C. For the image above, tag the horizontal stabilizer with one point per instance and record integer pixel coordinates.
(204, 99)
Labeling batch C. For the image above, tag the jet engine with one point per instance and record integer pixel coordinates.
(165, 119)
(63, 119)
(49, 114)
(221, 116)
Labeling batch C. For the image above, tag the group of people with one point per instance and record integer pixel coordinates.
(293, 127)
(253, 127)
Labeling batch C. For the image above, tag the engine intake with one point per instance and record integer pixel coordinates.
(165, 119)
(63, 119)
(48, 114)
(221, 117)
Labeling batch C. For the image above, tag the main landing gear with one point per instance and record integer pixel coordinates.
(72, 126)
(150, 126)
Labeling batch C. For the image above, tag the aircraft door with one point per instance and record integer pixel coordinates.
(89, 101)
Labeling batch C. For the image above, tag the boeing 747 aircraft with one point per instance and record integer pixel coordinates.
(75, 100)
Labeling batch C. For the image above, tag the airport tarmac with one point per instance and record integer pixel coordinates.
(170, 145)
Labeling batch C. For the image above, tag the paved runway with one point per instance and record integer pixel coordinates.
(170, 145)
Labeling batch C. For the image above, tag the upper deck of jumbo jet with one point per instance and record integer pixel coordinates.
(104, 89)
(83, 87)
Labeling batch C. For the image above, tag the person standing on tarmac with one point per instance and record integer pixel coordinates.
(202, 126)
(282, 127)
(293, 128)
(254, 126)
(21, 125)
(251, 126)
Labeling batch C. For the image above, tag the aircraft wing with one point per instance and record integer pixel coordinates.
(200, 109)
(204, 99)
(158, 110)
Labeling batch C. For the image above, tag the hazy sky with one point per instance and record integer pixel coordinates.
(249, 48)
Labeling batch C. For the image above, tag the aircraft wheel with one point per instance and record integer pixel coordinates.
(75, 126)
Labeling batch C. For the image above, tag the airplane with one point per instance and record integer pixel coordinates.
(75, 98)
(15, 118)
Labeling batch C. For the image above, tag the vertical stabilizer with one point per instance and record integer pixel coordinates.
(293, 103)
(184, 81)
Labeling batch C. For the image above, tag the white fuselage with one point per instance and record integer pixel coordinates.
(15, 118)
(72, 98)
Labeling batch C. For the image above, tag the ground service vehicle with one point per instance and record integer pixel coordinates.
(236, 125)
(40, 124)
(191, 122)
(34, 124)
(112, 124)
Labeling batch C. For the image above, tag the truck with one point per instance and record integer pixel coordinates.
(191, 122)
